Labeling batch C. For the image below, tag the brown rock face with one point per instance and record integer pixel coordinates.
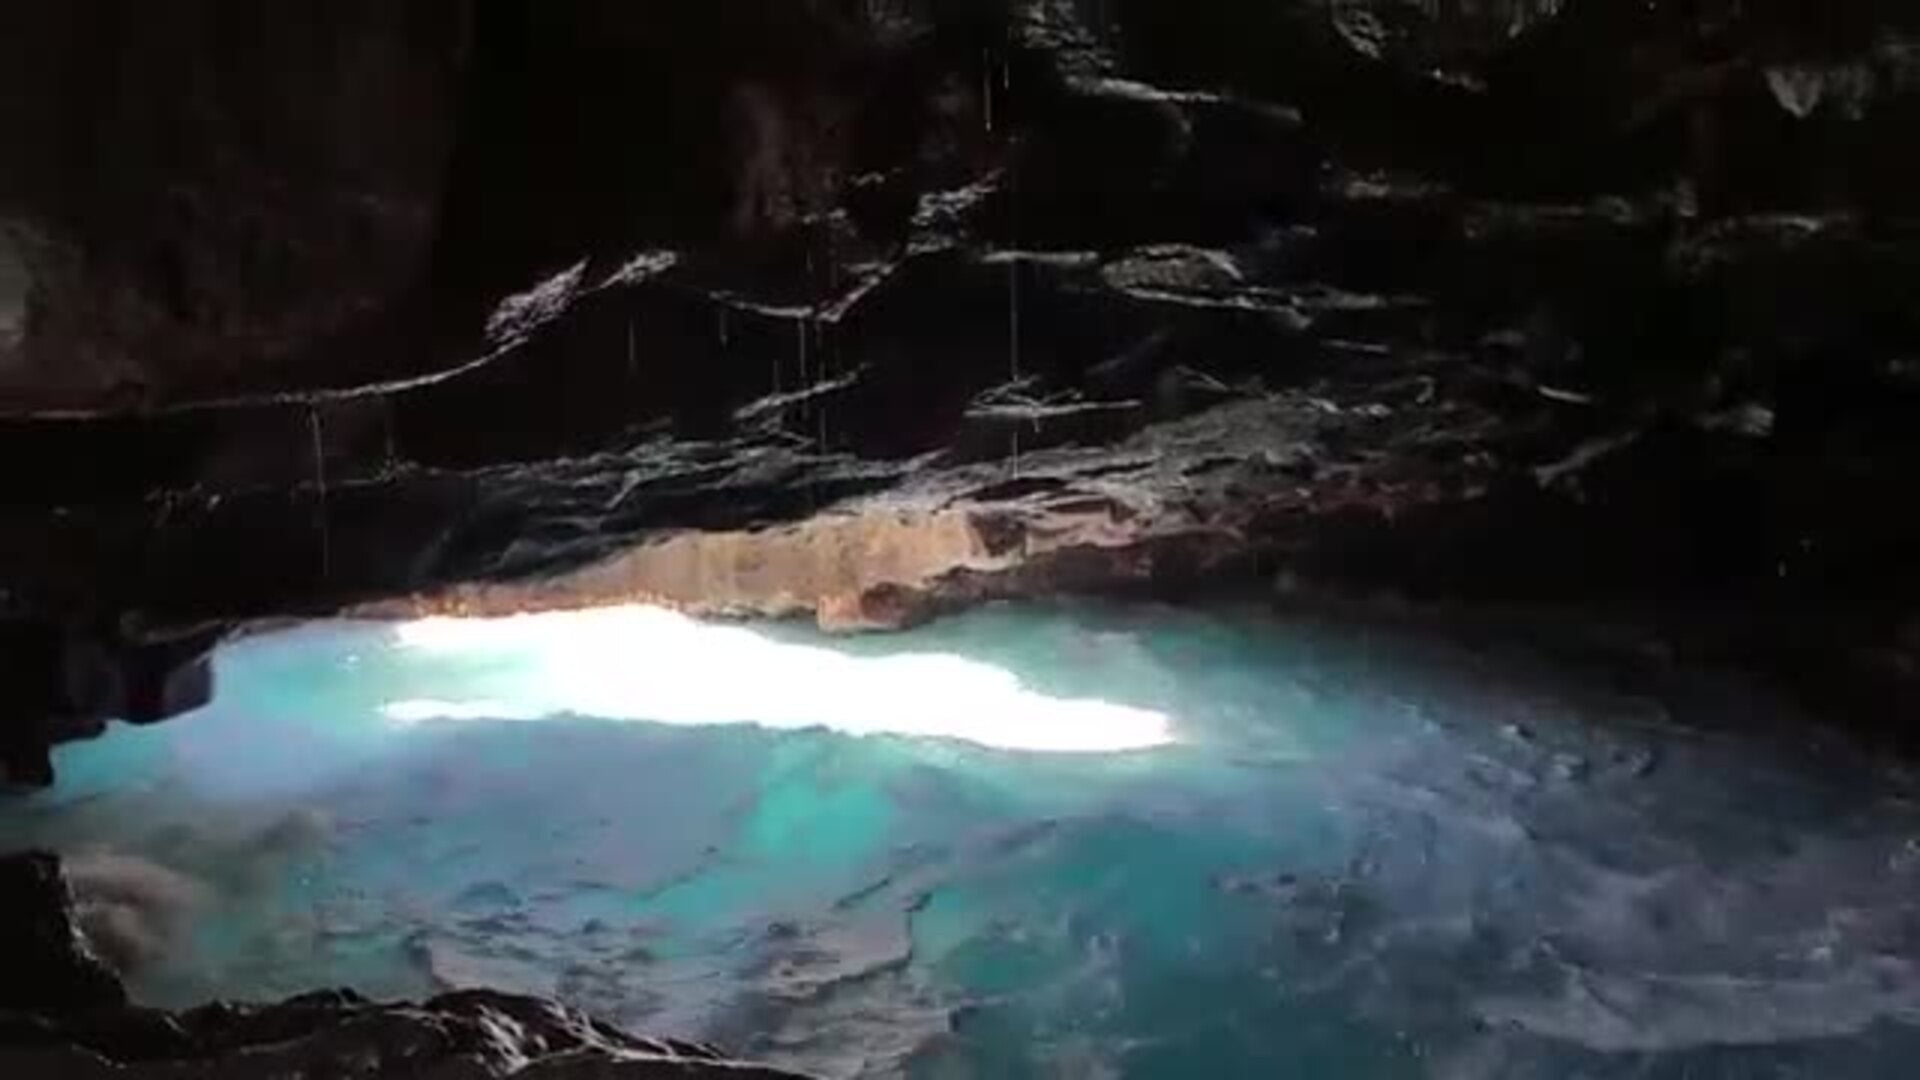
(881, 565)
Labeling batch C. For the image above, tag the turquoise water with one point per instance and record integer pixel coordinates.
(1027, 842)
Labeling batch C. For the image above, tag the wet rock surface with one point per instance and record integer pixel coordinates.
(50, 969)
(63, 1013)
(867, 310)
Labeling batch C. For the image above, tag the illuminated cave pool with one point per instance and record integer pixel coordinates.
(1051, 841)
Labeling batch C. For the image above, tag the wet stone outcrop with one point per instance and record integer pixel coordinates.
(868, 309)
(64, 1014)
(50, 969)
(64, 681)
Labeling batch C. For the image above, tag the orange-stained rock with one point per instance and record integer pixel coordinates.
(873, 568)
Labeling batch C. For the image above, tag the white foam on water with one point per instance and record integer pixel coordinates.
(650, 664)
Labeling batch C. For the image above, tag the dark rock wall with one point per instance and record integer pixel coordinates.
(207, 197)
(1626, 294)
(211, 193)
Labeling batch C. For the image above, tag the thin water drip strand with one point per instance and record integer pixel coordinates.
(820, 410)
(986, 90)
(800, 345)
(320, 488)
(390, 462)
(1013, 322)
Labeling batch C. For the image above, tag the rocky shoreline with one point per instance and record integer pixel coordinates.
(63, 1013)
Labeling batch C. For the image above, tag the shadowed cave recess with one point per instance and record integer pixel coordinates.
(951, 538)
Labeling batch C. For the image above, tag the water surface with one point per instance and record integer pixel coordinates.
(1039, 841)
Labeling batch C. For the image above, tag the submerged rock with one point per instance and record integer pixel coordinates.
(63, 1013)
(337, 1034)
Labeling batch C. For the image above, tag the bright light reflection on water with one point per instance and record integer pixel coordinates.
(649, 664)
